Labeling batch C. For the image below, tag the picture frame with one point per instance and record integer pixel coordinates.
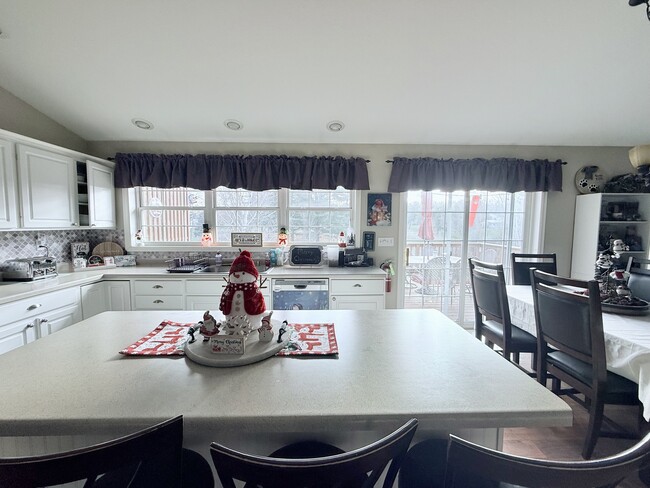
(379, 209)
(369, 241)
(246, 239)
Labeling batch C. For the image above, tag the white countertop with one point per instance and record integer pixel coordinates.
(393, 365)
(18, 290)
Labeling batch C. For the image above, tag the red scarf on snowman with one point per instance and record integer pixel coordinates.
(253, 299)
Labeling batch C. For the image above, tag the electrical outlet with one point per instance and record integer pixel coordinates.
(386, 241)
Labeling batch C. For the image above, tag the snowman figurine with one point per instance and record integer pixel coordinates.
(242, 302)
(266, 330)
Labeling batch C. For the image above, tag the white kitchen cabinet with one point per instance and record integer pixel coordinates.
(357, 294)
(105, 296)
(8, 186)
(601, 216)
(48, 190)
(158, 295)
(101, 195)
(28, 319)
(203, 294)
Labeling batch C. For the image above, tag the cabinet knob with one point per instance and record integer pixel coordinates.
(34, 307)
(157, 286)
(74, 224)
(333, 299)
(158, 301)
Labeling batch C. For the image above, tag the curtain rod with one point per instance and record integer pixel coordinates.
(389, 161)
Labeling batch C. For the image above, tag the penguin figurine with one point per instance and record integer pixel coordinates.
(242, 302)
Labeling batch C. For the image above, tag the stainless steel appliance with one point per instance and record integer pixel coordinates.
(29, 269)
(297, 294)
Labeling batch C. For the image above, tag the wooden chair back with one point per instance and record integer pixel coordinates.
(490, 296)
(160, 445)
(339, 470)
(467, 462)
(522, 262)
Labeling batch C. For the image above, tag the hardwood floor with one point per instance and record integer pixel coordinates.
(565, 443)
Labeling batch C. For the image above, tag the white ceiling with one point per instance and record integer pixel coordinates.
(506, 72)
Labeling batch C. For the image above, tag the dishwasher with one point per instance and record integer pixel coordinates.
(297, 294)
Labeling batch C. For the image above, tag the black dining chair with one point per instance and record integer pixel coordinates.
(522, 262)
(359, 468)
(639, 279)
(471, 465)
(571, 348)
(492, 314)
(150, 457)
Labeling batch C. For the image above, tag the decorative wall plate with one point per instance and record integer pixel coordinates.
(589, 179)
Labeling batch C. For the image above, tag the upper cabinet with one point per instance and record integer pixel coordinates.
(45, 187)
(8, 182)
(48, 189)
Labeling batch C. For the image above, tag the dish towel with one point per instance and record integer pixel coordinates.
(168, 339)
(311, 340)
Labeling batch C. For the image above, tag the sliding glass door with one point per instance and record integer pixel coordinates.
(444, 229)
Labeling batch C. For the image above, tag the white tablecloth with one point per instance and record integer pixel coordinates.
(627, 340)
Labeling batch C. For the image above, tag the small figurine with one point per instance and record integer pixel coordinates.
(282, 330)
(604, 260)
(623, 291)
(618, 246)
(206, 237)
(242, 302)
(266, 331)
(282, 236)
(138, 237)
(209, 326)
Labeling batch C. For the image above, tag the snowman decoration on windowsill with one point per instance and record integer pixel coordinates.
(242, 302)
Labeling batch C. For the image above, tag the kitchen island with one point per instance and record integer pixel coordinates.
(392, 365)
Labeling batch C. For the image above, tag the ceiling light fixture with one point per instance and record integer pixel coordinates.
(142, 124)
(335, 126)
(233, 124)
(634, 3)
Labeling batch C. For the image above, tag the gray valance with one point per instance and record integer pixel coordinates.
(499, 174)
(256, 173)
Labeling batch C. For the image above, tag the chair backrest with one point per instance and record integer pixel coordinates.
(329, 471)
(156, 450)
(489, 294)
(639, 280)
(570, 321)
(521, 264)
(468, 460)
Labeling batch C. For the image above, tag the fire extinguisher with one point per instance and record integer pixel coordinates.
(387, 266)
(389, 283)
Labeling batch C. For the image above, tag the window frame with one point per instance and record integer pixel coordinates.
(129, 200)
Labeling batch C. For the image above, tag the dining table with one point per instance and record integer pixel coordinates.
(74, 387)
(627, 339)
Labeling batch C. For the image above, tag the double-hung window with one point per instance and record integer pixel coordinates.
(175, 217)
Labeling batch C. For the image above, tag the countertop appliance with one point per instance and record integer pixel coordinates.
(306, 255)
(354, 257)
(298, 294)
(29, 269)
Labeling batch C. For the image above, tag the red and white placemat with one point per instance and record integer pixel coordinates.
(168, 339)
(311, 340)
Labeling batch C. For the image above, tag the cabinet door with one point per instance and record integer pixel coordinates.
(357, 302)
(16, 334)
(118, 294)
(58, 319)
(48, 190)
(197, 302)
(94, 299)
(101, 195)
(8, 196)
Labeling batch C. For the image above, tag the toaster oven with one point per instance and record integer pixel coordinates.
(28, 269)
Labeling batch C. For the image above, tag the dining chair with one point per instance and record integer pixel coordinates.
(360, 467)
(151, 457)
(571, 348)
(492, 314)
(639, 279)
(469, 464)
(522, 262)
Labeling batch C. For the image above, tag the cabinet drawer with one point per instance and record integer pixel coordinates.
(357, 287)
(205, 287)
(34, 306)
(159, 302)
(158, 287)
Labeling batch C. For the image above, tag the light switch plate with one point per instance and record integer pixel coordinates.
(386, 241)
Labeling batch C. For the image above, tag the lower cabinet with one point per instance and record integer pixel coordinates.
(203, 294)
(158, 295)
(359, 294)
(104, 296)
(26, 320)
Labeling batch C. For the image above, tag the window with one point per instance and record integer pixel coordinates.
(175, 217)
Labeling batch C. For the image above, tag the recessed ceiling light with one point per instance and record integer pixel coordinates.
(233, 124)
(335, 126)
(142, 124)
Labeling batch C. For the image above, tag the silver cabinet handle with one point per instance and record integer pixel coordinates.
(157, 286)
(29, 326)
(93, 225)
(333, 299)
(158, 301)
(357, 285)
(34, 307)
(74, 224)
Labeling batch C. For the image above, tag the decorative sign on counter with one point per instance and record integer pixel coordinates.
(227, 344)
(246, 239)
